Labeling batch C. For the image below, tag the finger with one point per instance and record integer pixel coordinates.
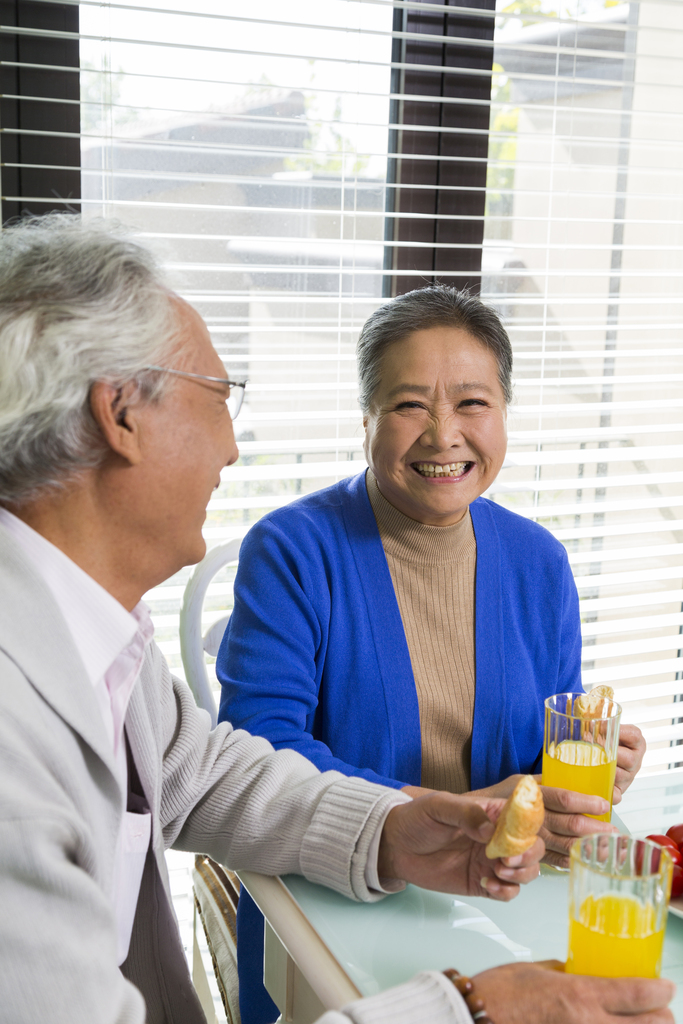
(628, 759)
(562, 844)
(568, 802)
(473, 816)
(631, 996)
(631, 736)
(521, 869)
(517, 876)
(531, 856)
(655, 1017)
(556, 860)
(575, 825)
(496, 889)
(621, 783)
(559, 844)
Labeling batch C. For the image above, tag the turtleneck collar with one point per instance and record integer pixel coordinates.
(410, 541)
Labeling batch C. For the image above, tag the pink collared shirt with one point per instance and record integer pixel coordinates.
(111, 643)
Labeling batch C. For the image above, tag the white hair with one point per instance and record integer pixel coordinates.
(79, 303)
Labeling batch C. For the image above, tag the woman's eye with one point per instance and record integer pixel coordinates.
(409, 407)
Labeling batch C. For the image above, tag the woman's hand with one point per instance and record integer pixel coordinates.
(438, 840)
(565, 817)
(565, 820)
(532, 994)
(565, 811)
(629, 759)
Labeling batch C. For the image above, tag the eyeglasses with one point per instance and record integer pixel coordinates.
(235, 398)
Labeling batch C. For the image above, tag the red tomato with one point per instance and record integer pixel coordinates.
(663, 841)
(676, 833)
(677, 882)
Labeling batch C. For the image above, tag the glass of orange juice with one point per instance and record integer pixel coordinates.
(581, 753)
(618, 897)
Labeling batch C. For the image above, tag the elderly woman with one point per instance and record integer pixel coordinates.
(398, 625)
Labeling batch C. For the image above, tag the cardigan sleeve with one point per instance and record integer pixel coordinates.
(569, 678)
(271, 660)
(429, 996)
(569, 668)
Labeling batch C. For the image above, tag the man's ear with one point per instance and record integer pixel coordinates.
(115, 412)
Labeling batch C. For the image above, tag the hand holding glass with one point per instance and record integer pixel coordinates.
(580, 753)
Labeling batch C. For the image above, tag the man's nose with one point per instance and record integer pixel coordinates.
(232, 449)
(234, 453)
(234, 456)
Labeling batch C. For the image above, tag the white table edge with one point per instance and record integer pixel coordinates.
(324, 973)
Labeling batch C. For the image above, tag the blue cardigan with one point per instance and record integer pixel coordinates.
(315, 656)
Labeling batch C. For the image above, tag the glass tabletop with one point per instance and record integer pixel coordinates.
(382, 944)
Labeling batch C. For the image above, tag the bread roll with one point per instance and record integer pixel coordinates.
(593, 704)
(519, 821)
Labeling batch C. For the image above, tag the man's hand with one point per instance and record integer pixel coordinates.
(437, 841)
(629, 759)
(416, 791)
(532, 994)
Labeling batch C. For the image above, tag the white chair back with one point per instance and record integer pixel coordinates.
(194, 646)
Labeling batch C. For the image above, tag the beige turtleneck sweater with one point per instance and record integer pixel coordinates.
(433, 572)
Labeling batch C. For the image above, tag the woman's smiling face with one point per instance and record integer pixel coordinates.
(436, 437)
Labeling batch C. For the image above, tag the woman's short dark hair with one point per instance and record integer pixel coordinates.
(436, 306)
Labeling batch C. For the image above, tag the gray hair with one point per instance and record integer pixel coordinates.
(437, 306)
(79, 303)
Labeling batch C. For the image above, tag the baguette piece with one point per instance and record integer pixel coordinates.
(592, 705)
(519, 821)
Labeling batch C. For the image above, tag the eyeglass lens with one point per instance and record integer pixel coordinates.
(235, 401)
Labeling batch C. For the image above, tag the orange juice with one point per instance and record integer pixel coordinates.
(615, 937)
(582, 767)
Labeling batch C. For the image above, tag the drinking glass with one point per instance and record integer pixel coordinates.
(618, 897)
(581, 753)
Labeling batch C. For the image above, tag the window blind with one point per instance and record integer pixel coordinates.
(264, 154)
(582, 255)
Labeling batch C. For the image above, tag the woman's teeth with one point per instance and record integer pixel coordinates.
(434, 469)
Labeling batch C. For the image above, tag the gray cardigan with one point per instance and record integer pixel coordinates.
(224, 793)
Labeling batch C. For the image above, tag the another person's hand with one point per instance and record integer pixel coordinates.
(438, 840)
(629, 759)
(532, 994)
(565, 817)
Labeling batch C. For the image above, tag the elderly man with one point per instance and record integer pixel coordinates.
(113, 432)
